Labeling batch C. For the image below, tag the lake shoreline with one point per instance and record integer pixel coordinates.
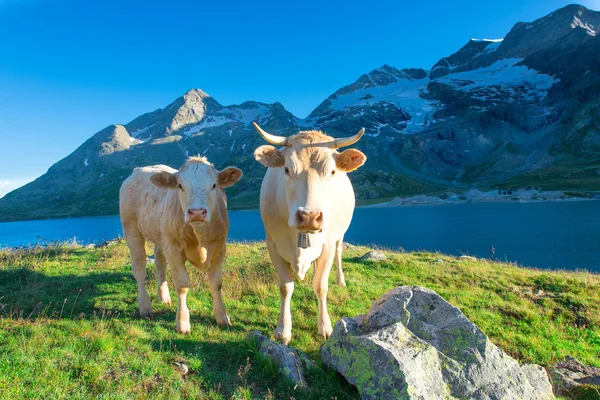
(476, 196)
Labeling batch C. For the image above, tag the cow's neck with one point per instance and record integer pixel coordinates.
(194, 240)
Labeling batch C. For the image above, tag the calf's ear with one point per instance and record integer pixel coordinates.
(269, 156)
(349, 160)
(229, 176)
(164, 179)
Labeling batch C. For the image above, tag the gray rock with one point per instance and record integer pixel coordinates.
(181, 368)
(108, 243)
(570, 373)
(414, 345)
(373, 255)
(291, 362)
(470, 258)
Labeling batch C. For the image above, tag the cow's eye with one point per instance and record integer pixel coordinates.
(214, 186)
(179, 186)
(333, 172)
(287, 171)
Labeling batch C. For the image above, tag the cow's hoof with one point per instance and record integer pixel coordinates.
(325, 331)
(283, 337)
(167, 301)
(224, 323)
(184, 329)
(342, 283)
(146, 314)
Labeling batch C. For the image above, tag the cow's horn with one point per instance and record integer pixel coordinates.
(276, 140)
(347, 141)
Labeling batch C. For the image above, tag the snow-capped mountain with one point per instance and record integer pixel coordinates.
(522, 110)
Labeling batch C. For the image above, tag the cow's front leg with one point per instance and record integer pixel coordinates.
(321, 286)
(339, 276)
(215, 282)
(137, 248)
(160, 264)
(283, 331)
(181, 279)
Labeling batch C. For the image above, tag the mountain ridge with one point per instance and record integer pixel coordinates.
(519, 110)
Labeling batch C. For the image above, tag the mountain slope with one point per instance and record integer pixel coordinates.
(523, 110)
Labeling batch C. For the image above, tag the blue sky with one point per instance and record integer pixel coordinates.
(71, 68)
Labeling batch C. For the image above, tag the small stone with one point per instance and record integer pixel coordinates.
(291, 362)
(109, 243)
(440, 261)
(348, 246)
(181, 368)
(373, 255)
(468, 258)
(570, 374)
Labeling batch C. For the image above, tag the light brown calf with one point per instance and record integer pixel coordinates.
(184, 213)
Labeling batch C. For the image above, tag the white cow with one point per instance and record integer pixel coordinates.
(306, 190)
(184, 213)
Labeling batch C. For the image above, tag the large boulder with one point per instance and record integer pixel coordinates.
(415, 345)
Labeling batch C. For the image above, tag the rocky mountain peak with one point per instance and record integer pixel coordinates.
(194, 105)
(527, 38)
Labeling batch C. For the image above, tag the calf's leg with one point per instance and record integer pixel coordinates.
(160, 263)
(283, 331)
(181, 279)
(137, 248)
(215, 281)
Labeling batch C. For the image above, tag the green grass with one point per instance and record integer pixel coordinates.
(69, 325)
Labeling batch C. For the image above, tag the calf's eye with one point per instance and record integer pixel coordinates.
(179, 186)
(333, 172)
(214, 186)
(287, 170)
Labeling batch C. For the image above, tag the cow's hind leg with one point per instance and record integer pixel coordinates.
(181, 279)
(320, 286)
(283, 331)
(215, 281)
(137, 248)
(339, 276)
(160, 263)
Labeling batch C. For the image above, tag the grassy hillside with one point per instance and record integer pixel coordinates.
(69, 326)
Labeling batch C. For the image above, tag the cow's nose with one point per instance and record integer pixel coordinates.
(197, 214)
(309, 220)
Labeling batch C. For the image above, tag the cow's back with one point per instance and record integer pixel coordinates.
(142, 204)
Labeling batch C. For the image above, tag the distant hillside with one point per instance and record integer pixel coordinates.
(524, 110)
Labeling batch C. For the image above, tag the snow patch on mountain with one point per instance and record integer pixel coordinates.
(207, 122)
(405, 94)
(578, 23)
(490, 48)
(487, 40)
(141, 130)
(502, 77)
(233, 114)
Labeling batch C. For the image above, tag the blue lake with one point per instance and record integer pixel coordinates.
(554, 235)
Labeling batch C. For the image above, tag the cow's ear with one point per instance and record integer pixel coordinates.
(269, 156)
(229, 176)
(164, 179)
(349, 160)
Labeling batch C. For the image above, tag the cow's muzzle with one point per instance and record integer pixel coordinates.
(309, 221)
(197, 215)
